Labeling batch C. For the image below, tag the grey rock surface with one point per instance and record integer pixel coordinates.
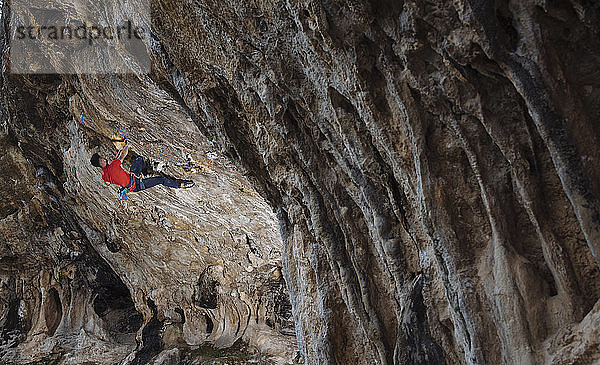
(432, 168)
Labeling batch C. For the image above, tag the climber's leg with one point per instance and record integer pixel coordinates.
(153, 181)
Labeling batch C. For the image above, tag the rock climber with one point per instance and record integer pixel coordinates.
(132, 181)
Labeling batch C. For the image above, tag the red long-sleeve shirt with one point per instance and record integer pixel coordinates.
(115, 174)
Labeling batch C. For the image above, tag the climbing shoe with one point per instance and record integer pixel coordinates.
(187, 184)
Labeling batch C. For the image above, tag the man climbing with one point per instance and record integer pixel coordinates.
(132, 181)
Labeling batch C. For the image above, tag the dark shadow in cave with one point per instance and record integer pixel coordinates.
(151, 338)
(113, 304)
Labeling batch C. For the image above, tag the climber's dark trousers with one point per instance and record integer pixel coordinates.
(138, 166)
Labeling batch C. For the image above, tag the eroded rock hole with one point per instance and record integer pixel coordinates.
(209, 324)
(112, 245)
(151, 337)
(11, 328)
(205, 293)
(274, 297)
(52, 311)
(113, 304)
(181, 314)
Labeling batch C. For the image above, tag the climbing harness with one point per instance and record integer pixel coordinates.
(132, 185)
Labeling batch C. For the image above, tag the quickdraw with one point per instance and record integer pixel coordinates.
(123, 194)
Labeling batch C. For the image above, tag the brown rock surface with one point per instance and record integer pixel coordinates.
(433, 168)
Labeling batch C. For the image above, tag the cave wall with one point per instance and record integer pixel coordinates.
(90, 278)
(57, 292)
(433, 168)
(168, 276)
(433, 165)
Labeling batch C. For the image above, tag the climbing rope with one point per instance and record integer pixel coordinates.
(123, 134)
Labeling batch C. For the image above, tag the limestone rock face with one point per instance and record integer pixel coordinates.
(167, 275)
(432, 167)
(87, 277)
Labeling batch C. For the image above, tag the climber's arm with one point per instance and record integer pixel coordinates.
(122, 153)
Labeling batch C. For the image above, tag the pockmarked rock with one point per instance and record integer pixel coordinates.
(377, 182)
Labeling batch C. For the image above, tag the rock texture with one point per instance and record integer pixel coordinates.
(167, 269)
(89, 278)
(433, 167)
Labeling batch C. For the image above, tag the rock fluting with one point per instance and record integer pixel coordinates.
(433, 168)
